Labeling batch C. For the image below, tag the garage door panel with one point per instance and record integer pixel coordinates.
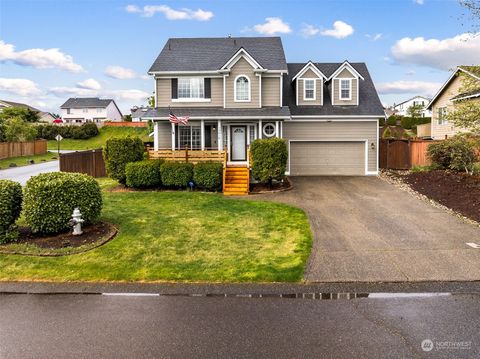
(327, 158)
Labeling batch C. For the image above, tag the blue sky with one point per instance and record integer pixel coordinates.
(106, 47)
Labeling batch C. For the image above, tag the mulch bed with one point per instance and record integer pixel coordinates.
(458, 191)
(93, 236)
(276, 187)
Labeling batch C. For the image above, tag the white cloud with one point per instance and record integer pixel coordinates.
(119, 72)
(410, 73)
(419, 2)
(340, 30)
(38, 58)
(309, 30)
(413, 87)
(62, 91)
(171, 14)
(375, 37)
(441, 54)
(272, 26)
(20, 87)
(129, 95)
(89, 84)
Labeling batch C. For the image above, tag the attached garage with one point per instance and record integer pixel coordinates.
(320, 158)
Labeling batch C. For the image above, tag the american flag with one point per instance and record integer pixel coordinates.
(178, 120)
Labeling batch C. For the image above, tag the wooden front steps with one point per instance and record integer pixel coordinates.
(236, 181)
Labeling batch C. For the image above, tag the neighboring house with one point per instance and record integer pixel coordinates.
(236, 90)
(137, 112)
(77, 111)
(445, 100)
(389, 111)
(401, 109)
(44, 116)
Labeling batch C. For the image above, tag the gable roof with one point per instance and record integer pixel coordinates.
(81, 102)
(344, 65)
(309, 65)
(242, 53)
(473, 71)
(369, 102)
(410, 99)
(211, 54)
(19, 104)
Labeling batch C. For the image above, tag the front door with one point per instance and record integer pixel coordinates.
(239, 143)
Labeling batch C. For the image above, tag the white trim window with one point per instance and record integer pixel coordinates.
(242, 88)
(345, 89)
(269, 130)
(442, 113)
(192, 88)
(189, 136)
(309, 89)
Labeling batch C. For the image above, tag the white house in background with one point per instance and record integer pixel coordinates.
(44, 116)
(402, 108)
(77, 111)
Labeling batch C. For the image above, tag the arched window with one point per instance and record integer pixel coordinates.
(242, 88)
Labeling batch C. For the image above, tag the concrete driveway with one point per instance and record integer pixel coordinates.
(368, 230)
(22, 174)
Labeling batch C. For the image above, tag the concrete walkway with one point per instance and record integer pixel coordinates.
(368, 230)
(22, 174)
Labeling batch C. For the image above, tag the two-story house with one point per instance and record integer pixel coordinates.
(444, 100)
(401, 108)
(77, 111)
(236, 90)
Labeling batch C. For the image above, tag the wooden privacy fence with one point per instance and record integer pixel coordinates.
(126, 124)
(403, 154)
(19, 149)
(88, 162)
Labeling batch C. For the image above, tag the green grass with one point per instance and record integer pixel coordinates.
(182, 236)
(22, 161)
(98, 141)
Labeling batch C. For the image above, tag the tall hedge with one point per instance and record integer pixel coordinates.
(176, 174)
(208, 175)
(50, 198)
(10, 207)
(120, 151)
(83, 132)
(269, 158)
(143, 174)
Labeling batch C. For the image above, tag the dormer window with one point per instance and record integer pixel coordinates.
(309, 89)
(242, 89)
(345, 89)
(191, 88)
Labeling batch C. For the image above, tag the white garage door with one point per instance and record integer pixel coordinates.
(327, 158)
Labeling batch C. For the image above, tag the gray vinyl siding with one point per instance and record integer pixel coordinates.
(335, 131)
(270, 91)
(164, 94)
(164, 135)
(336, 93)
(242, 67)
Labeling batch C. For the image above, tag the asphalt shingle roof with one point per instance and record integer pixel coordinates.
(75, 102)
(23, 105)
(369, 102)
(213, 112)
(210, 54)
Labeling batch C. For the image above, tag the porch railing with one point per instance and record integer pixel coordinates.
(187, 155)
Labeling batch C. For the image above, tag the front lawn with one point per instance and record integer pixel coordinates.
(23, 161)
(98, 141)
(182, 236)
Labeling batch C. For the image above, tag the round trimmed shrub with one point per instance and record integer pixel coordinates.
(455, 153)
(50, 198)
(10, 208)
(269, 158)
(208, 175)
(176, 174)
(143, 174)
(120, 151)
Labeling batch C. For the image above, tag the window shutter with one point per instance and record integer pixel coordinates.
(208, 88)
(174, 88)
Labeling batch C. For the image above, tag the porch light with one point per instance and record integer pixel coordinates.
(372, 145)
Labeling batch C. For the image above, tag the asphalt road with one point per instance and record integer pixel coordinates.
(22, 174)
(97, 326)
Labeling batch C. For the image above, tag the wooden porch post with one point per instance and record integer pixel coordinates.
(260, 129)
(155, 136)
(173, 137)
(202, 134)
(219, 135)
(277, 129)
